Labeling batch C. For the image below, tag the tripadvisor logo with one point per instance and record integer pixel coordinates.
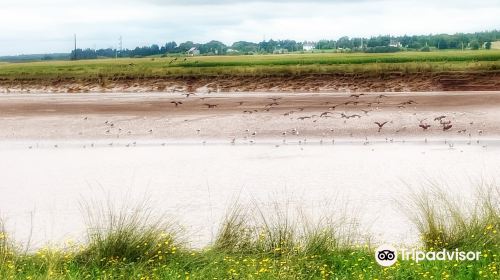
(387, 255)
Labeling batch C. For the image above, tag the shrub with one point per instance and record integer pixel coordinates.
(425, 49)
(281, 232)
(448, 222)
(127, 234)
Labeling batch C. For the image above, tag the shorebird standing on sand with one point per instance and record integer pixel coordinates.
(210, 106)
(188, 94)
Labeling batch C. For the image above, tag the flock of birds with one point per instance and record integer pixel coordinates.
(442, 121)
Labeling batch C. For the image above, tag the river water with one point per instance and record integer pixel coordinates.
(43, 183)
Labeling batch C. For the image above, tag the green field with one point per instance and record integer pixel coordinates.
(253, 65)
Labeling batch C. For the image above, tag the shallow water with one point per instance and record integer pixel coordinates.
(42, 185)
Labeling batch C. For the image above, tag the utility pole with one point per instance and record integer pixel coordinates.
(120, 44)
(74, 55)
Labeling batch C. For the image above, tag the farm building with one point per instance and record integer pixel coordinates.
(193, 51)
(308, 46)
(395, 44)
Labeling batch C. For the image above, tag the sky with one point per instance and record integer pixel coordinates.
(47, 26)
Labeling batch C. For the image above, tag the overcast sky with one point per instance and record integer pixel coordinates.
(40, 26)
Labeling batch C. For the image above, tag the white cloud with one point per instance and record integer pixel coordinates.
(33, 26)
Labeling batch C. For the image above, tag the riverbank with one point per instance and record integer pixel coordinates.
(309, 72)
(378, 81)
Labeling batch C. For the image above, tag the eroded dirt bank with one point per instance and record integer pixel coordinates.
(336, 82)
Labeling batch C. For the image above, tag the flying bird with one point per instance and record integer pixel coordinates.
(424, 126)
(351, 102)
(350, 116)
(409, 102)
(447, 127)
(357, 95)
(380, 125)
(176, 103)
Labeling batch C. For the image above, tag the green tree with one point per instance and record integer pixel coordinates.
(474, 44)
(213, 47)
(170, 47)
(245, 47)
(487, 45)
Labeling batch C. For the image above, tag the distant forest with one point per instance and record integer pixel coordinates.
(378, 44)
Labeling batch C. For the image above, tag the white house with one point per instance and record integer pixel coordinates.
(193, 51)
(395, 44)
(308, 46)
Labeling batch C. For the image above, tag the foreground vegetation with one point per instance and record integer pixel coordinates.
(131, 243)
(255, 65)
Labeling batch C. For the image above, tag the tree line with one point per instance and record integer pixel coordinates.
(382, 43)
(417, 42)
(210, 48)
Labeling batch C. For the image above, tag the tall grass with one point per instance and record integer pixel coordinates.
(8, 252)
(276, 242)
(128, 233)
(284, 230)
(448, 221)
(5, 246)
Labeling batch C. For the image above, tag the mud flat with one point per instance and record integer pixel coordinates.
(250, 117)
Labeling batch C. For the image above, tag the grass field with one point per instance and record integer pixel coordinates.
(254, 65)
(131, 244)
